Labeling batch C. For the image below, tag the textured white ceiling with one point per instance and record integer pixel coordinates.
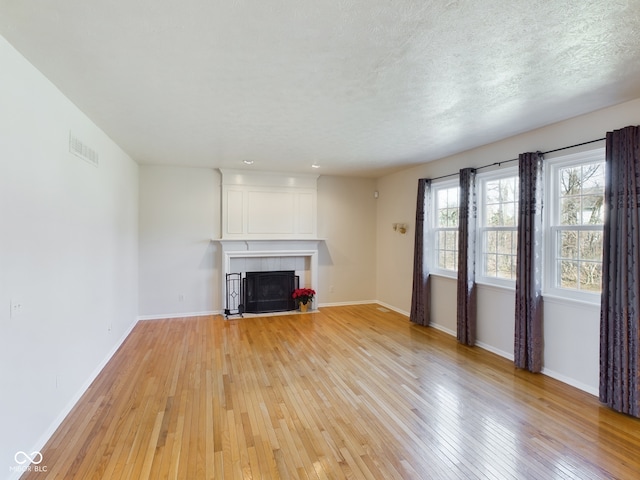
(360, 87)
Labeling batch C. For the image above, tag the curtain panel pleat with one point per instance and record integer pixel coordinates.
(528, 308)
(421, 292)
(620, 301)
(466, 296)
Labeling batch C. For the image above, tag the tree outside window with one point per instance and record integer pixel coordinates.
(446, 227)
(579, 231)
(499, 222)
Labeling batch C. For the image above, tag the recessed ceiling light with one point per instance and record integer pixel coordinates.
(248, 162)
(315, 165)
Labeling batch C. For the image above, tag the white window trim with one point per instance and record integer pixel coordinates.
(551, 228)
(440, 185)
(481, 180)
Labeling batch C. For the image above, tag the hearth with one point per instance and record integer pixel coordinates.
(266, 292)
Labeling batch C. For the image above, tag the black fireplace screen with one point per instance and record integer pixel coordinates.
(269, 291)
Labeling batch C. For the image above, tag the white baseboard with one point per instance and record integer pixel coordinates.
(500, 353)
(346, 304)
(407, 314)
(46, 436)
(391, 307)
(165, 316)
(570, 381)
(443, 329)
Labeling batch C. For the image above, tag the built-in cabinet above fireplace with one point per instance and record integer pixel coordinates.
(266, 205)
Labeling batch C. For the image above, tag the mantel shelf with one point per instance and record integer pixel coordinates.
(246, 239)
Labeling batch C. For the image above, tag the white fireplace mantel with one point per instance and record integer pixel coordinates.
(269, 250)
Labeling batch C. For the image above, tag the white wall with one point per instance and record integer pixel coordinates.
(179, 265)
(346, 221)
(571, 329)
(68, 255)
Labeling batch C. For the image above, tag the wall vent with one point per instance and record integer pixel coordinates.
(79, 149)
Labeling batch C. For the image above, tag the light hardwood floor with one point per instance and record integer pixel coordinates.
(346, 392)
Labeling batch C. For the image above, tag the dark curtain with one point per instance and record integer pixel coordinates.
(466, 317)
(528, 314)
(421, 294)
(620, 303)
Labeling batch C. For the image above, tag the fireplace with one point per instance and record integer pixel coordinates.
(267, 255)
(266, 292)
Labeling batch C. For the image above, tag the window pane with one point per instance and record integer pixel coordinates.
(490, 242)
(581, 191)
(505, 266)
(442, 217)
(441, 198)
(451, 260)
(509, 215)
(591, 246)
(592, 177)
(568, 246)
(570, 181)
(442, 260)
(569, 208)
(492, 191)
(448, 217)
(592, 213)
(491, 266)
(452, 240)
(568, 274)
(505, 244)
(452, 217)
(591, 276)
(493, 215)
(510, 189)
(452, 197)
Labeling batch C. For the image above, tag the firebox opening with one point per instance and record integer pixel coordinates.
(266, 292)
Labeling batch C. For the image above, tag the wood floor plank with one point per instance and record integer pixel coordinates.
(342, 393)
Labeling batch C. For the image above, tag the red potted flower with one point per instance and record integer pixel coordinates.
(303, 297)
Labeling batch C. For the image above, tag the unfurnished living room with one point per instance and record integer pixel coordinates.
(339, 239)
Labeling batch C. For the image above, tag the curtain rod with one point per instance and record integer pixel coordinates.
(497, 164)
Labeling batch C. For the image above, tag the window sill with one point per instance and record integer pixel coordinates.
(562, 300)
(444, 274)
(497, 287)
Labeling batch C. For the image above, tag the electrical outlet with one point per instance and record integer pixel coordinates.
(331, 289)
(181, 297)
(16, 308)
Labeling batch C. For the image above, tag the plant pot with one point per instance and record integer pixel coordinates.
(303, 306)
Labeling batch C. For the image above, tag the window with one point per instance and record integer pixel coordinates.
(498, 227)
(576, 220)
(445, 228)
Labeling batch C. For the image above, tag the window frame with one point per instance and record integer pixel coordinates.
(552, 226)
(435, 229)
(482, 180)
